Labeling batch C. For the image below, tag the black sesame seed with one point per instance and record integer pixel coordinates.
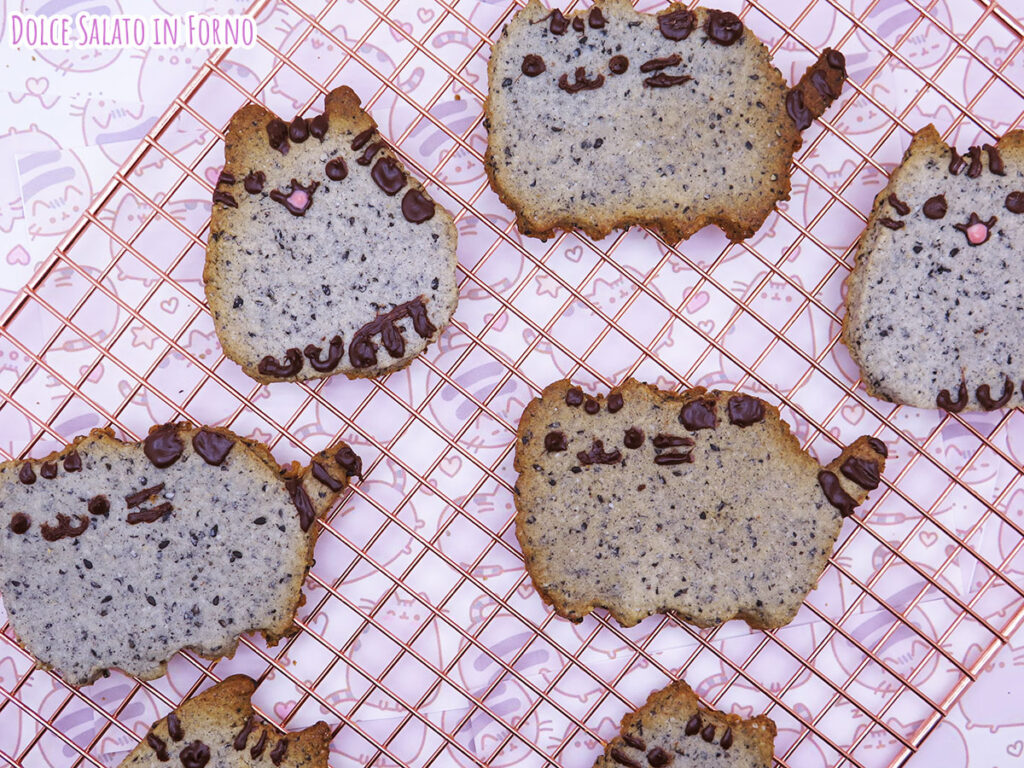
(151, 600)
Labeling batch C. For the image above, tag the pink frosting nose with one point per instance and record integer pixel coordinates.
(977, 233)
(299, 199)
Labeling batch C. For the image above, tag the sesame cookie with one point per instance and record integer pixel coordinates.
(673, 728)
(935, 302)
(325, 256)
(610, 118)
(218, 728)
(701, 503)
(118, 555)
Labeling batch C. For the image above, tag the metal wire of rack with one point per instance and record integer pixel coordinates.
(471, 628)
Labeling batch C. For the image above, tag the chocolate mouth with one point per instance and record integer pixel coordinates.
(975, 230)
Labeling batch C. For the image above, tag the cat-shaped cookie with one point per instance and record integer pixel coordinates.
(324, 255)
(118, 555)
(935, 302)
(610, 117)
(700, 503)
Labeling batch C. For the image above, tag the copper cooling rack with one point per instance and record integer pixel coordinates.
(435, 650)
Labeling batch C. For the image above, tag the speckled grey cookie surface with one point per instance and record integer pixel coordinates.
(325, 256)
(672, 728)
(935, 302)
(610, 117)
(118, 555)
(702, 504)
(218, 728)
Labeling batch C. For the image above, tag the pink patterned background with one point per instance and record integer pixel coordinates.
(421, 632)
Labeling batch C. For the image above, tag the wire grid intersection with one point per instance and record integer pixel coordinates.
(422, 640)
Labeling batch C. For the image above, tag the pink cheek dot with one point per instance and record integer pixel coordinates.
(977, 234)
(300, 199)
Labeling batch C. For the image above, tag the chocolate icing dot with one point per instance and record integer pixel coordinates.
(878, 447)
(417, 207)
(195, 755)
(797, 110)
(26, 474)
(73, 462)
(935, 207)
(212, 447)
(298, 131)
(559, 24)
(254, 182)
(615, 402)
(388, 176)
(634, 438)
(677, 25)
(835, 494)
(555, 441)
(591, 406)
(277, 133)
(596, 18)
(307, 515)
(726, 740)
(335, 352)
(864, 472)
(574, 397)
(174, 729)
(361, 138)
(618, 64)
(158, 746)
(20, 523)
(99, 505)
(692, 725)
(533, 65)
(320, 473)
(745, 410)
(577, 24)
(318, 127)
(700, 414)
(658, 757)
(48, 470)
(708, 734)
(724, 27)
(349, 461)
(336, 169)
(162, 445)
(1015, 202)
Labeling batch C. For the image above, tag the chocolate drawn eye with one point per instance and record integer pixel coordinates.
(1015, 202)
(935, 207)
(618, 64)
(533, 65)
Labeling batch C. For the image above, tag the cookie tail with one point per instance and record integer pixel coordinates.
(858, 469)
(316, 488)
(820, 85)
